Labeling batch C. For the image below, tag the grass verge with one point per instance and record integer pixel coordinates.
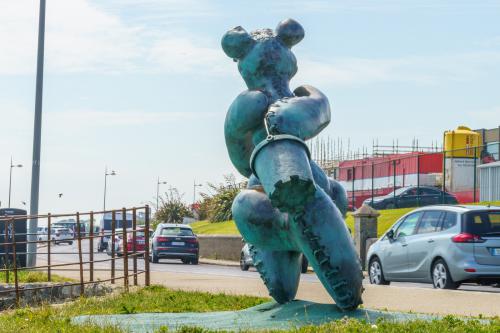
(148, 299)
(385, 221)
(160, 299)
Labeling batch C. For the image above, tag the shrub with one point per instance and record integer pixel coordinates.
(216, 205)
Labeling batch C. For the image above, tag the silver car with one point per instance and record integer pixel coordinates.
(246, 260)
(445, 245)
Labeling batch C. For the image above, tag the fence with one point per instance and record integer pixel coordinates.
(127, 231)
(453, 172)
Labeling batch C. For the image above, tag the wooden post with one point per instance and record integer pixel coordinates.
(113, 225)
(134, 242)
(49, 272)
(80, 258)
(146, 246)
(125, 249)
(91, 247)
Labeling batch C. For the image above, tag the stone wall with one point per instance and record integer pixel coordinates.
(222, 247)
(51, 293)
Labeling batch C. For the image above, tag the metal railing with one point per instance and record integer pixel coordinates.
(12, 241)
(453, 171)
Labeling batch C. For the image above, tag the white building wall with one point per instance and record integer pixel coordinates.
(489, 188)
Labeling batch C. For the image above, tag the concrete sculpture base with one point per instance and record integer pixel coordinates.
(265, 316)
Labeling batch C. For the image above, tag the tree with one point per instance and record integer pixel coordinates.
(216, 205)
(172, 209)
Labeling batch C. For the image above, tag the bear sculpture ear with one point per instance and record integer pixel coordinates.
(290, 32)
(236, 43)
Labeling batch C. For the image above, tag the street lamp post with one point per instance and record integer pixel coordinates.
(158, 183)
(194, 190)
(37, 139)
(106, 174)
(10, 176)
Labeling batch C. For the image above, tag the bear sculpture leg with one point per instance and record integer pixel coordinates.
(275, 258)
(314, 225)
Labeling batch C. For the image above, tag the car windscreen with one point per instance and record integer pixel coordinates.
(483, 223)
(60, 230)
(399, 191)
(176, 231)
(118, 224)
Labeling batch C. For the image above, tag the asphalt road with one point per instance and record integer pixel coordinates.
(63, 253)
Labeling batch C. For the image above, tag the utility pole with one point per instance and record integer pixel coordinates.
(194, 190)
(37, 136)
(10, 176)
(106, 174)
(158, 183)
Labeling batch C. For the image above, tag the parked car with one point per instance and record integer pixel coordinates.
(246, 260)
(410, 196)
(61, 235)
(174, 241)
(139, 242)
(444, 245)
(41, 233)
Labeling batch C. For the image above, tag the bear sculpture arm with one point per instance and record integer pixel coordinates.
(304, 115)
(244, 118)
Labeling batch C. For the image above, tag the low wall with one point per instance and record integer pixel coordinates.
(51, 293)
(228, 247)
(222, 247)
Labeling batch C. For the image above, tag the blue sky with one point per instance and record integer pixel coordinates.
(143, 86)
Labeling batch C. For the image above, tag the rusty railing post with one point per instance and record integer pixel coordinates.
(80, 256)
(146, 246)
(14, 261)
(49, 272)
(125, 249)
(6, 251)
(134, 242)
(113, 226)
(91, 248)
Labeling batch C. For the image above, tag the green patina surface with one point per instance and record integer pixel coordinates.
(261, 317)
(290, 208)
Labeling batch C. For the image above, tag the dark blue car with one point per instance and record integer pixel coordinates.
(412, 196)
(174, 241)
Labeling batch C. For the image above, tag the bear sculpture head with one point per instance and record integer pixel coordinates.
(265, 60)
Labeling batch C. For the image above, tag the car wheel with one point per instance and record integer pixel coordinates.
(54, 242)
(185, 261)
(155, 258)
(441, 278)
(194, 261)
(376, 274)
(70, 242)
(243, 265)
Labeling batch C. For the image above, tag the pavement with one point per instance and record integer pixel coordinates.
(226, 277)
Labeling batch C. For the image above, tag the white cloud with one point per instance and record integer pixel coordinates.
(182, 55)
(415, 69)
(83, 37)
(88, 118)
(78, 37)
(90, 36)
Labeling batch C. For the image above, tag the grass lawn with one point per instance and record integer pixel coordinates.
(215, 228)
(148, 299)
(161, 299)
(386, 219)
(25, 276)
